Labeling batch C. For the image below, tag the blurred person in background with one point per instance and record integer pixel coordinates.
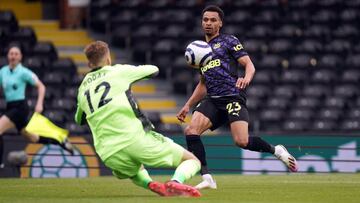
(220, 97)
(14, 78)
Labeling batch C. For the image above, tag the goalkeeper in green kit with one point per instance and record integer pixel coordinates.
(123, 137)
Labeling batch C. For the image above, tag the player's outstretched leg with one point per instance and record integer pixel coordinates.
(174, 188)
(143, 179)
(158, 188)
(66, 145)
(196, 146)
(282, 154)
(41, 130)
(187, 169)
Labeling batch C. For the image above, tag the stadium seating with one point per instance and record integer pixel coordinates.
(295, 125)
(58, 74)
(8, 21)
(306, 53)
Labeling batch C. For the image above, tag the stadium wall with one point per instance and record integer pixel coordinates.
(315, 154)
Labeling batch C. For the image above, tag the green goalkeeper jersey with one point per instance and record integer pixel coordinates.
(105, 100)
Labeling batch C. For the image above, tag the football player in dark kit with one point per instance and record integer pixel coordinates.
(222, 97)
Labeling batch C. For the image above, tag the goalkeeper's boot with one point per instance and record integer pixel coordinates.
(158, 188)
(207, 183)
(282, 154)
(177, 189)
(66, 145)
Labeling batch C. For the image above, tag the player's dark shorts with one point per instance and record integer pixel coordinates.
(18, 112)
(223, 110)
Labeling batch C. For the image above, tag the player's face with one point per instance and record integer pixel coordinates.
(211, 23)
(14, 56)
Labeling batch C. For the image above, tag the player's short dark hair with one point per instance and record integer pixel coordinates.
(214, 8)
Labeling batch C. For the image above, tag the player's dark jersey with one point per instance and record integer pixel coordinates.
(221, 73)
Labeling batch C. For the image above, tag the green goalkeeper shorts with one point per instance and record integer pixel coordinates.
(153, 150)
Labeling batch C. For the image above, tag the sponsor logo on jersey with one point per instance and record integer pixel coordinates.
(210, 65)
(238, 47)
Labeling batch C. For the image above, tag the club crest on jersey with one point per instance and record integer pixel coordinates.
(217, 45)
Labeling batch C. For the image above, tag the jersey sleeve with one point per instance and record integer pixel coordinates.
(236, 48)
(135, 73)
(29, 76)
(80, 116)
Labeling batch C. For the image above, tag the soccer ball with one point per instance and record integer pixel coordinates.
(198, 53)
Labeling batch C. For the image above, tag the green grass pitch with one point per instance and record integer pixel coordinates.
(343, 188)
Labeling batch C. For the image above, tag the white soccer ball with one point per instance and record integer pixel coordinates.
(198, 53)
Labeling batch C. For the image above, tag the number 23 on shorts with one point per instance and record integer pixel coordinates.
(233, 107)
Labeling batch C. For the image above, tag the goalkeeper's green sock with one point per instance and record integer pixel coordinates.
(186, 170)
(142, 179)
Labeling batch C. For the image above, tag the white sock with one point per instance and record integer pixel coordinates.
(278, 151)
(208, 178)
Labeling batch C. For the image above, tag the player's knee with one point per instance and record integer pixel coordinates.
(198, 163)
(193, 157)
(242, 142)
(30, 138)
(188, 155)
(191, 130)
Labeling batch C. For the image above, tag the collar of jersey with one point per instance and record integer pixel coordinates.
(17, 67)
(95, 69)
(214, 38)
